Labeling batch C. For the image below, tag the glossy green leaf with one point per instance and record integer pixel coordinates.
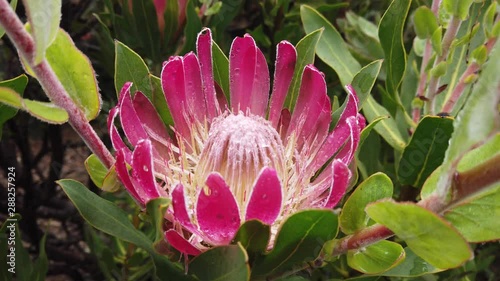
(224, 263)
(353, 217)
(254, 236)
(110, 219)
(425, 151)
(376, 258)
(44, 18)
(96, 170)
(428, 235)
(156, 209)
(476, 218)
(425, 22)
(44, 111)
(18, 85)
(458, 8)
(13, 4)
(305, 55)
(221, 69)
(411, 266)
(390, 33)
(299, 240)
(387, 128)
(331, 47)
(75, 73)
(477, 120)
(364, 80)
(129, 67)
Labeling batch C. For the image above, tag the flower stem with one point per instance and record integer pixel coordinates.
(464, 185)
(449, 35)
(425, 60)
(50, 83)
(473, 68)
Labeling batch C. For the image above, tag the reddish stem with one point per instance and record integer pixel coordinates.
(459, 88)
(50, 83)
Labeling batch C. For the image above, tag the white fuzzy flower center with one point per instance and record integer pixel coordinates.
(238, 147)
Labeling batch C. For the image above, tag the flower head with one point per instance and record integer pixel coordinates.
(237, 160)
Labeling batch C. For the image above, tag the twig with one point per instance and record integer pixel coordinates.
(50, 83)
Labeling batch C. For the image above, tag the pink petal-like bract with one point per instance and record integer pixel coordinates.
(265, 199)
(180, 243)
(237, 156)
(217, 211)
(286, 56)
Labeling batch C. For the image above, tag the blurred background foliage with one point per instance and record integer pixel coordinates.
(76, 251)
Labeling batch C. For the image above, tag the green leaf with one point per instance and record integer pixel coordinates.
(159, 101)
(300, 240)
(147, 27)
(364, 80)
(44, 18)
(129, 67)
(13, 5)
(436, 41)
(44, 111)
(390, 33)
(353, 217)
(476, 218)
(376, 258)
(387, 128)
(75, 73)
(111, 182)
(171, 18)
(428, 235)
(411, 266)
(156, 209)
(18, 85)
(22, 256)
(221, 263)
(110, 219)
(305, 55)
(426, 149)
(480, 54)
(253, 235)
(458, 8)
(221, 69)
(425, 22)
(331, 47)
(41, 265)
(96, 169)
(477, 121)
(193, 26)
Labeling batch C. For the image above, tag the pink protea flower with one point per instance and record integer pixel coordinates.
(234, 161)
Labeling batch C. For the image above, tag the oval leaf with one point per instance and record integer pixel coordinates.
(299, 240)
(331, 47)
(305, 55)
(129, 67)
(221, 263)
(18, 85)
(353, 217)
(387, 129)
(44, 18)
(426, 149)
(428, 235)
(411, 266)
(390, 32)
(96, 169)
(376, 258)
(44, 111)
